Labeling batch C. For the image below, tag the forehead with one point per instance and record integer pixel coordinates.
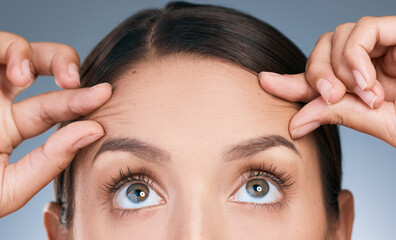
(178, 100)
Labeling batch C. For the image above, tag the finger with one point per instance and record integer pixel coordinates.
(319, 71)
(389, 62)
(59, 60)
(350, 112)
(34, 115)
(16, 53)
(372, 96)
(22, 180)
(293, 88)
(341, 70)
(368, 33)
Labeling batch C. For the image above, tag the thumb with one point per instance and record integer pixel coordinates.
(293, 88)
(350, 112)
(23, 179)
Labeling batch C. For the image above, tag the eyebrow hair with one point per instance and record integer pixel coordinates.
(151, 153)
(253, 146)
(139, 148)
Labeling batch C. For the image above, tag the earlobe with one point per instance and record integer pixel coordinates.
(52, 221)
(346, 216)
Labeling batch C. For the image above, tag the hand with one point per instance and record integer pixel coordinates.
(20, 63)
(350, 79)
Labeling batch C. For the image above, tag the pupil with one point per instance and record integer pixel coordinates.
(137, 192)
(257, 188)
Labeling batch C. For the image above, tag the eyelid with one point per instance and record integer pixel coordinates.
(122, 180)
(281, 179)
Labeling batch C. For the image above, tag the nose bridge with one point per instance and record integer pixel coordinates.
(197, 214)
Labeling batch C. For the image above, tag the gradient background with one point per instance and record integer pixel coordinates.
(369, 164)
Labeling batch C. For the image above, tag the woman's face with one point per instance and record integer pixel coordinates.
(195, 149)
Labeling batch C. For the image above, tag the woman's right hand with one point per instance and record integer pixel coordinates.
(20, 63)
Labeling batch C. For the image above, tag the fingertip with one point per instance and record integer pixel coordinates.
(74, 74)
(379, 92)
(104, 90)
(91, 127)
(87, 140)
(360, 65)
(67, 77)
(304, 129)
(372, 97)
(337, 93)
(308, 118)
(265, 77)
(81, 133)
(93, 133)
(325, 89)
(19, 73)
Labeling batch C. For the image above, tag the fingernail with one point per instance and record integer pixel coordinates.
(304, 129)
(98, 85)
(73, 73)
(25, 70)
(367, 96)
(87, 140)
(57, 83)
(270, 74)
(325, 89)
(361, 82)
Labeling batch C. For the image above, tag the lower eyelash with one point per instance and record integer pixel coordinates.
(281, 178)
(272, 206)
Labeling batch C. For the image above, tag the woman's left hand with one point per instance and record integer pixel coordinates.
(350, 80)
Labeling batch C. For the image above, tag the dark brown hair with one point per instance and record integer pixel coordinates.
(203, 31)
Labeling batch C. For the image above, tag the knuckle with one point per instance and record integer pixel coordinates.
(47, 152)
(45, 116)
(315, 71)
(349, 53)
(343, 27)
(64, 49)
(338, 68)
(325, 36)
(365, 19)
(17, 45)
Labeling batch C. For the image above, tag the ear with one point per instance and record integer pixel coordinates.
(346, 216)
(52, 223)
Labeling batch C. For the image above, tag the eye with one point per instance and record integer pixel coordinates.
(257, 191)
(137, 195)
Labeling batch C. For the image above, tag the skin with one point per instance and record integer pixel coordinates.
(349, 74)
(222, 104)
(357, 59)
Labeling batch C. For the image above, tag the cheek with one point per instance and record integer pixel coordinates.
(92, 218)
(303, 218)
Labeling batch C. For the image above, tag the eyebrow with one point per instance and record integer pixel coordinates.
(153, 154)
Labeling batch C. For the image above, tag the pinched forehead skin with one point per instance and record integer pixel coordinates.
(194, 109)
(193, 95)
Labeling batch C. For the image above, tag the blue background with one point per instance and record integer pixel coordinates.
(369, 164)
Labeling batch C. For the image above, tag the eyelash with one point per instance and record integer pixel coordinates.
(280, 178)
(110, 188)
